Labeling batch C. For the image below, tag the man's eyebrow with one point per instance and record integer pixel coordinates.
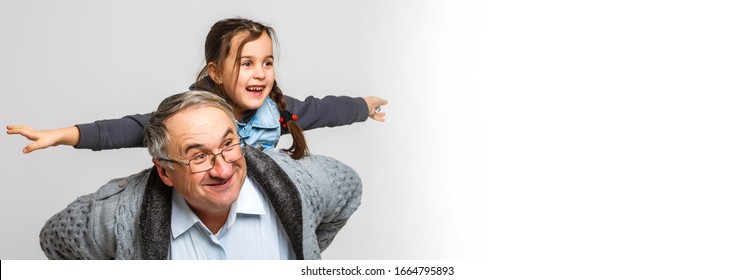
(229, 131)
(192, 146)
(197, 145)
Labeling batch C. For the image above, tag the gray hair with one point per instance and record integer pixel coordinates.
(156, 136)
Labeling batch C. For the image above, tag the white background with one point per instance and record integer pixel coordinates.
(565, 137)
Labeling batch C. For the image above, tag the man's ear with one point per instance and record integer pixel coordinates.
(162, 172)
(212, 70)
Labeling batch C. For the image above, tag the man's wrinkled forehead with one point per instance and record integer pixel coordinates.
(191, 127)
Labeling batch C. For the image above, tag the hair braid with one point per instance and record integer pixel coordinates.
(298, 148)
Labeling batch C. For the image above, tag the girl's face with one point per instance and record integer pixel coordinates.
(256, 73)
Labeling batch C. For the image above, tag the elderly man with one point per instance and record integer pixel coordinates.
(207, 197)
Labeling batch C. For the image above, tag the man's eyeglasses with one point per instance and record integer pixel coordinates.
(203, 162)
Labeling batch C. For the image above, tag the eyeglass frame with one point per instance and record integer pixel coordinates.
(241, 145)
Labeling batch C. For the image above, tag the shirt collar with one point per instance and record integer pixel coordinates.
(249, 202)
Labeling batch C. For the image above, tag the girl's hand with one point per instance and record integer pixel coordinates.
(375, 104)
(45, 138)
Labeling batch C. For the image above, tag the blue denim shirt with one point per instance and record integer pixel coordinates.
(263, 130)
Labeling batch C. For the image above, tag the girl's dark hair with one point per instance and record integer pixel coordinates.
(217, 47)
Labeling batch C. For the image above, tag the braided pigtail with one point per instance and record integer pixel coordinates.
(298, 148)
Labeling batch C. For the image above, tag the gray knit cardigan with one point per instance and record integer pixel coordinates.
(129, 218)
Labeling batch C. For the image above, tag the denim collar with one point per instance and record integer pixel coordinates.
(267, 116)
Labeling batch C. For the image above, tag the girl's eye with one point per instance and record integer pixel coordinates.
(246, 63)
(268, 63)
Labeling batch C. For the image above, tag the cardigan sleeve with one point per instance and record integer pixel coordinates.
(330, 193)
(342, 196)
(71, 234)
(88, 227)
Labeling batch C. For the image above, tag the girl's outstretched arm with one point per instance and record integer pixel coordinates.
(329, 111)
(126, 132)
(332, 111)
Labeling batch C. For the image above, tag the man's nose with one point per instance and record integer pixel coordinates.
(221, 168)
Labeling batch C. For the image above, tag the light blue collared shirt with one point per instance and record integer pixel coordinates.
(251, 232)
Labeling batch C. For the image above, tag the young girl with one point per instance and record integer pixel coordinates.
(240, 68)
